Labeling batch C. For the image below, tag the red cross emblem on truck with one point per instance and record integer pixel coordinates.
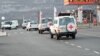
(71, 27)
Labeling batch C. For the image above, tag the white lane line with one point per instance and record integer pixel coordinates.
(67, 42)
(87, 49)
(79, 46)
(72, 44)
(96, 52)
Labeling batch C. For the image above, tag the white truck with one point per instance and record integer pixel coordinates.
(63, 26)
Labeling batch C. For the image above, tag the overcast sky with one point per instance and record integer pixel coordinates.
(29, 8)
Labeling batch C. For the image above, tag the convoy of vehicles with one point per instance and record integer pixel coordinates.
(62, 25)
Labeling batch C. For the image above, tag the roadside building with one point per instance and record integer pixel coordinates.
(82, 8)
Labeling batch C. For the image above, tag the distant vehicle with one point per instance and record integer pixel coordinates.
(9, 24)
(63, 26)
(24, 24)
(32, 25)
(44, 25)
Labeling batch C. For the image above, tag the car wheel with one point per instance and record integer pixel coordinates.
(73, 36)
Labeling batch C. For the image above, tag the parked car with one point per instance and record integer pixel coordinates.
(44, 25)
(32, 25)
(63, 26)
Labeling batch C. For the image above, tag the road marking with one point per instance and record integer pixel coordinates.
(72, 44)
(96, 52)
(79, 46)
(87, 49)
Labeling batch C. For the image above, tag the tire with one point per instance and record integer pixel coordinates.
(57, 37)
(10, 28)
(51, 36)
(67, 36)
(29, 29)
(73, 36)
(23, 27)
(40, 32)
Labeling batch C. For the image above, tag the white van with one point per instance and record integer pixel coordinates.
(9, 24)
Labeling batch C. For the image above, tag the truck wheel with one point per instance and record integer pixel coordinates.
(10, 28)
(51, 35)
(67, 36)
(57, 36)
(73, 36)
(29, 29)
(23, 27)
(40, 32)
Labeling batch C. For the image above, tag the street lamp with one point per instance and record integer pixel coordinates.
(2, 18)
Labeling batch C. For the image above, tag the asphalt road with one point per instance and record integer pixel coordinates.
(29, 43)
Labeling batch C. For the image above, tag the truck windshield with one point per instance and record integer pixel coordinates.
(8, 23)
(66, 20)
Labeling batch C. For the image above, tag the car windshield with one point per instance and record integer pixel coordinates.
(8, 23)
(46, 20)
(66, 20)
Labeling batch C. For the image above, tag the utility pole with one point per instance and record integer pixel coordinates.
(98, 10)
